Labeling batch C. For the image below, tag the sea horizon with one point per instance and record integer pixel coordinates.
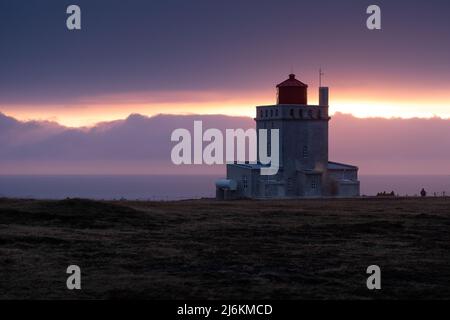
(181, 187)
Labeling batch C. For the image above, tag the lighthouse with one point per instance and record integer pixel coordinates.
(305, 170)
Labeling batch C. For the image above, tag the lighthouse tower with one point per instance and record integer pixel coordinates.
(305, 170)
(303, 133)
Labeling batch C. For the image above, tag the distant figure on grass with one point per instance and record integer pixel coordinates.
(423, 193)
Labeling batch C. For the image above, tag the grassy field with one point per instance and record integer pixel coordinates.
(310, 249)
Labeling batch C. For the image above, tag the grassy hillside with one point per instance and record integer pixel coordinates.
(312, 249)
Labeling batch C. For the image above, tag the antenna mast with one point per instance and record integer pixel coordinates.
(320, 77)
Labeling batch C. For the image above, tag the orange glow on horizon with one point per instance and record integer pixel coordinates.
(363, 104)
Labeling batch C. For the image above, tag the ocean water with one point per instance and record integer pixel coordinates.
(168, 187)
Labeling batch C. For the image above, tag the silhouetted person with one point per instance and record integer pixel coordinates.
(423, 193)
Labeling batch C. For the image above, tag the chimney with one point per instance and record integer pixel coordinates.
(323, 96)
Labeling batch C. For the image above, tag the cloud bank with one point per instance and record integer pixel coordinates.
(141, 145)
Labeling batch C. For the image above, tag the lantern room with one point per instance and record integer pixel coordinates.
(292, 91)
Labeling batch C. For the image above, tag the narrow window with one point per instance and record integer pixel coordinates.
(290, 184)
(244, 182)
(305, 152)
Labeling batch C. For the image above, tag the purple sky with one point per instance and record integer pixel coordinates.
(153, 56)
(218, 57)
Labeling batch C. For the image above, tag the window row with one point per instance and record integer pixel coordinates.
(306, 114)
(268, 113)
(294, 113)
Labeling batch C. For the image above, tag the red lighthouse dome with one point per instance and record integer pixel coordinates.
(292, 91)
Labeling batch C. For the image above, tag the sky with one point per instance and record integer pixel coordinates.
(220, 57)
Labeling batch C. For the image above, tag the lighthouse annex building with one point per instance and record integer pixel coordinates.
(305, 170)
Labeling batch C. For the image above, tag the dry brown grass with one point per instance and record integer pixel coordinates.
(310, 249)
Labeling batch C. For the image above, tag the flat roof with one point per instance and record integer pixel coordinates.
(331, 166)
(288, 105)
(340, 166)
(252, 166)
